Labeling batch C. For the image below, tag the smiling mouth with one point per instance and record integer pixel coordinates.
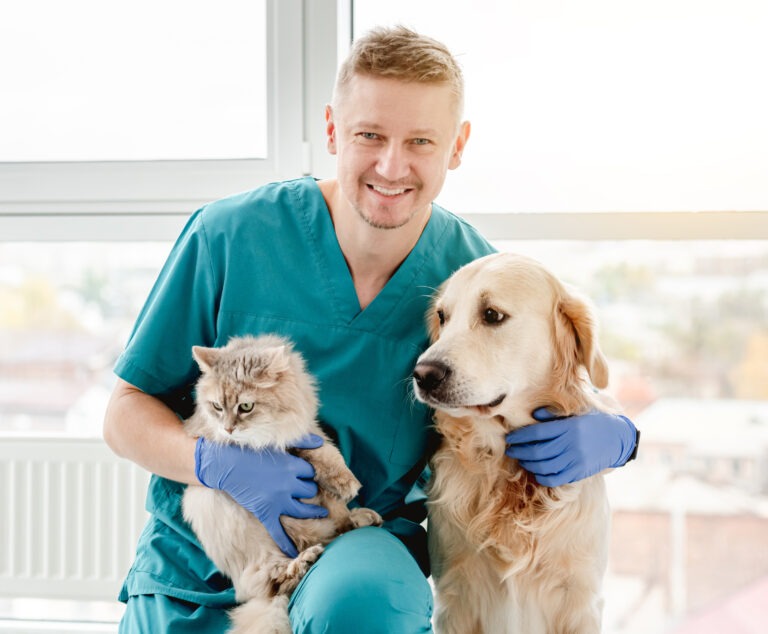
(387, 191)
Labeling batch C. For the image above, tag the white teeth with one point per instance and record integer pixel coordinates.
(388, 192)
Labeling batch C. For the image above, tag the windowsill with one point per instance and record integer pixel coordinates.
(58, 615)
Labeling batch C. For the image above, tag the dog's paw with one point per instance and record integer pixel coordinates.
(365, 517)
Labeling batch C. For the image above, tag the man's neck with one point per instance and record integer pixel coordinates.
(372, 255)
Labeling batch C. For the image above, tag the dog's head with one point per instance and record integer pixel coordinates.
(507, 337)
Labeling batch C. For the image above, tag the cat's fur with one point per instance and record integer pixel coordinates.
(256, 392)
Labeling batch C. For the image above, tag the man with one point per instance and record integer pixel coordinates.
(344, 267)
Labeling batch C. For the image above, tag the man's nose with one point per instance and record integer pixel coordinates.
(393, 163)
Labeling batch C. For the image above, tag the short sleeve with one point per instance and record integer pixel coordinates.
(180, 312)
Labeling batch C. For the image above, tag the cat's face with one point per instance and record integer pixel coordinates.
(254, 391)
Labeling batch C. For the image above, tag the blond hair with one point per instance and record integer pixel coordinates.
(400, 53)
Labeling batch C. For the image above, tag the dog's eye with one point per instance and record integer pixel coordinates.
(441, 316)
(491, 316)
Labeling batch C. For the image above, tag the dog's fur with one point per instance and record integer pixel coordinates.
(508, 555)
(255, 392)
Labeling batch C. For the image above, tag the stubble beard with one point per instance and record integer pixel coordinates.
(392, 223)
(372, 222)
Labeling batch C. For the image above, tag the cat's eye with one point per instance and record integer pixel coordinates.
(216, 406)
(245, 407)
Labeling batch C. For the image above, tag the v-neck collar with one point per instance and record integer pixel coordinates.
(336, 274)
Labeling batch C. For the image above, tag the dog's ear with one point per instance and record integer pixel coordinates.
(576, 333)
(432, 320)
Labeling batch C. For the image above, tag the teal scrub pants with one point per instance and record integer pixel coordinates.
(366, 582)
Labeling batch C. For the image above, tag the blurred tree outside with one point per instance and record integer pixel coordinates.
(750, 376)
(35, 305)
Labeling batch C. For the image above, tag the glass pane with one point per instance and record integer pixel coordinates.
(603, 106)
(66, 310)
(111, 80)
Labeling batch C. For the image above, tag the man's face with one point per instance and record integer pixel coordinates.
(394, 143)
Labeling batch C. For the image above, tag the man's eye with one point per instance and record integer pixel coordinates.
(421, 141)
(369, 136)
(493, 317)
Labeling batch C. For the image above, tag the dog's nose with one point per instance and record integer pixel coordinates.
(430, 374)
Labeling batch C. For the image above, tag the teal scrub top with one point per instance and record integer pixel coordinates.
(268, 261)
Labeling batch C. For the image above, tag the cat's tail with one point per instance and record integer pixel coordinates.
(261, 616)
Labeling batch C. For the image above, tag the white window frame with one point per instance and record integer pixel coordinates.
(149, 200)
(636, 225)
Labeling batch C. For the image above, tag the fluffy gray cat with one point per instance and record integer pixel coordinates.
(255, 392)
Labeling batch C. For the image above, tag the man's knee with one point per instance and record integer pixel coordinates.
(365, 582)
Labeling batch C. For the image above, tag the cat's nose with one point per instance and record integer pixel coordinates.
(229, 428)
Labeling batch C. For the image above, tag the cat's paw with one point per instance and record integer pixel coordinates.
(306, 558)
(289, 577)
(344, 485)
(361, 517)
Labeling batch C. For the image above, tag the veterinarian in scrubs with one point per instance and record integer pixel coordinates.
(344, 267)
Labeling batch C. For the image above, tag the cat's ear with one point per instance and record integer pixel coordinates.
(205, 357)
(279, 359)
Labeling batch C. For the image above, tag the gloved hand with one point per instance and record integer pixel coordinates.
(563, 450)
(267, 482)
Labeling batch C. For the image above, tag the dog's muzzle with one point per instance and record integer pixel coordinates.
(433, 387)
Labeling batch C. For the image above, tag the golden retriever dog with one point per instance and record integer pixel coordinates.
(508, 555)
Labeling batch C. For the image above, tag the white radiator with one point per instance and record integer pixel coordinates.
(70, 515)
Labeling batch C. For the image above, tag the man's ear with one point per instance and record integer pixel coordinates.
(330, 130)
(458, 147)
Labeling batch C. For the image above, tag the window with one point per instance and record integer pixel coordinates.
(88, 215)
(603, 106)
(142, 108)
(67, 311)
(133, 81)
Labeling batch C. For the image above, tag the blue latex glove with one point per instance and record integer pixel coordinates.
(562, 450)
(267, 483)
